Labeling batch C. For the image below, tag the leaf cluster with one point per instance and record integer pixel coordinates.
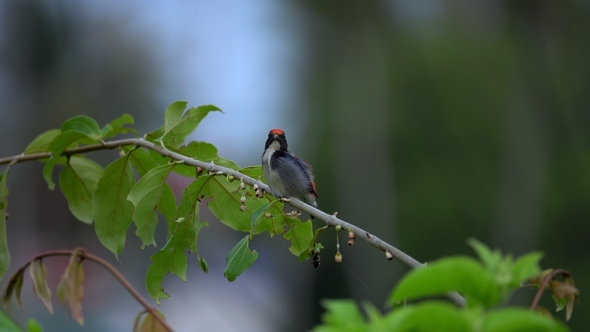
(133, 189)
(485, 283)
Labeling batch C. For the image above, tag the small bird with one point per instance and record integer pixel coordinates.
(286, 175)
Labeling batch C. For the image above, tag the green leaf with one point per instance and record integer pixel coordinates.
(6, 324)
(71, 287)
(342, 315)
(57, 146)
(111, 210)
(490, 259)
(83, 124)
(173, 114)
(78, 181)
(519, 320)
(462, 274)
(41, 142)
(176, 130)
(33, 326)
(145, 197)
(526, 267)
(4, 254)
(141, 160)
(254, 172)
(189, 209)
(257, 215)
(38, 274)
(428, 316)
(300, 234)
(117, 126)
(206, 152)
(239, 259)
(170, 258)
(225, 204)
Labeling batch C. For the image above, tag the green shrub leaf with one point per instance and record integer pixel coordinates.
(462, 274)
(239, 259)
(83, 124)
(300, 234)
(57, 146)
(145, 197)
(41, 142)
(78, 181)
(178, 128)
(520, 319)
(171, 258)
(117, 126)
(111, 210)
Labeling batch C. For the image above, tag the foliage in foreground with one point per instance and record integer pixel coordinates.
(486, 284)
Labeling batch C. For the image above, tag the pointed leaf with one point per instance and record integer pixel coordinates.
(33, 326)
(78, 181)
(73, 279)
(239, 259)
(83, 124)
(300, 234)
(226, 204)
(15, 285)
(41, 142)
(176, 131)
(111, 209)
(170, 258)
(462, 274)
(205, 152)
(173, 114)
(4, 254)
(38, 274)
(189, 210)
(526, 267)
(117, 126)
(429, 316)
(520, 319)
(6, 324)
(57, 146)
(150, 324)
(145, 197)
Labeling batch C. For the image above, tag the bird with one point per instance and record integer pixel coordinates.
(286, 174)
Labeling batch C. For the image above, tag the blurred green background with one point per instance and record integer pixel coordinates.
(427, 122)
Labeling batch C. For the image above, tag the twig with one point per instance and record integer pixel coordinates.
(327, 218)
(113, 271)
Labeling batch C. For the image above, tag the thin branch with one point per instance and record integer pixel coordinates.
(327, 218)
(543, 285)
(112, 270)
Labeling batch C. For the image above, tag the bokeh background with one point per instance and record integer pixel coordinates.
(427, 122)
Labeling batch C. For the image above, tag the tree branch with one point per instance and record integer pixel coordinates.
(112, 270)
(327, 218)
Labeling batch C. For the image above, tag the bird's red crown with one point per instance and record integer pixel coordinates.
(277, 131)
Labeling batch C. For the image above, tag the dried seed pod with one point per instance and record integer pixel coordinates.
(242, 208)
(351, 238)
(338, 257)
(255, 186)
(243, 199)
(388, 255)
(242, 184)
(267, 215)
